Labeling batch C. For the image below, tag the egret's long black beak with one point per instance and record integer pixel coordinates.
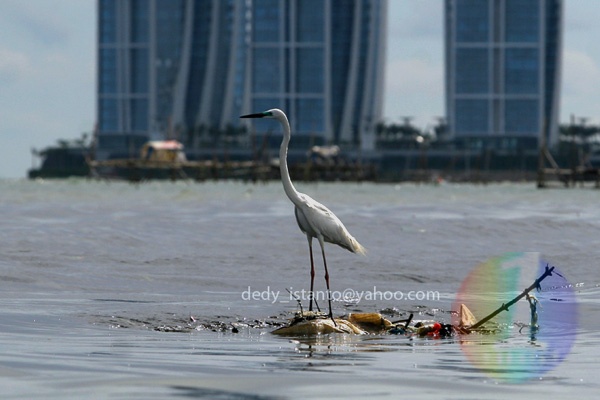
(257, 115)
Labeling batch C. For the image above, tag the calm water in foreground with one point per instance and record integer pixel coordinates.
(112, 290)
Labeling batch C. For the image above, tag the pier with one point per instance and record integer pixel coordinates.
(568, 177)
(137, 170)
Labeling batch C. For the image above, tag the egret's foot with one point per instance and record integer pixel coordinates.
(333, 319)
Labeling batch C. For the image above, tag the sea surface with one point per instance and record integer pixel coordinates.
(167, 290)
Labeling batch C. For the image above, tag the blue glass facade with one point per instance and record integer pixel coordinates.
(341, 48)
(322, 62)
(168, 66)
(521, 116)
(472, 70)
(265, 22)
(472, 115)
(503, 68)
(167, 47)
(522, 21)
(107, 12)
(200, 36)
(472, 21)
(288, 61)
(123, 74)
(522, 71)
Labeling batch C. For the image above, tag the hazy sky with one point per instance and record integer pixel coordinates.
(47, 70)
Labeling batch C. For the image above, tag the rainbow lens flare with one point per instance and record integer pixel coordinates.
(510, 349)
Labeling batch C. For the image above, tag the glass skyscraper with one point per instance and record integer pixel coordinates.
(167, 66)
(322, 61)
(174, 65)
(503, 71)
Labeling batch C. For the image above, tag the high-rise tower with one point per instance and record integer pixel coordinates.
(175, 65)
(503, 71)
(168, 65)
(323, 63)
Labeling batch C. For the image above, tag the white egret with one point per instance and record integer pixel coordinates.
(314, 219)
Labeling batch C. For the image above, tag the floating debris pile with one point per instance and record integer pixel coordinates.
(317, 323)
(313, 323)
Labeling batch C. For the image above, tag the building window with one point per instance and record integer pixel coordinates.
(139, 21)
(108, 21)
(109, 120)
(139, 70)
(310, 20)
(108, 71)
(139, 115)
(265, 21)
(310, 115)
(472, 70)
(473, 22)
(266, 70)
(522, 70)
(471, 116)
(521, 117)
(310, 63)
(522, 20)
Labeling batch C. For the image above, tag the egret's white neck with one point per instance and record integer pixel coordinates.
(288, 186)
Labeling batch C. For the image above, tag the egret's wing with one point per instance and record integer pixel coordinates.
(322, 220)
(302, 222)
(319, 215)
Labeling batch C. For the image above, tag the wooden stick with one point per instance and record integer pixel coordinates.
(504, 307)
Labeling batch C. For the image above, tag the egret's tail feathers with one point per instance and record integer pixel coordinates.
(357, 247)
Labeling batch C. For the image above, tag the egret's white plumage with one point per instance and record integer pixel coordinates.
(314, 219)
